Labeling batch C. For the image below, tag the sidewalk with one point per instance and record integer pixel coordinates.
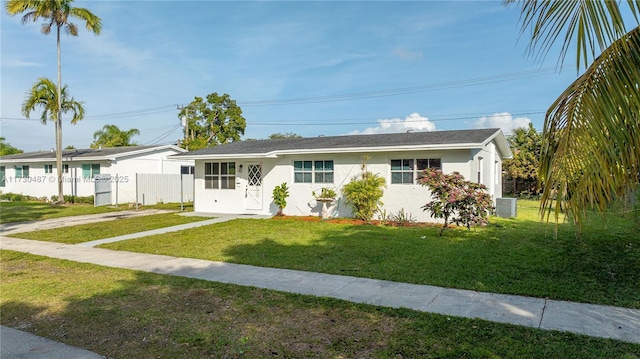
(16, 344)
(593, 320)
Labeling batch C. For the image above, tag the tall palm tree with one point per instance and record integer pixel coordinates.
(56, 13)
(112, 136)
(591, 139)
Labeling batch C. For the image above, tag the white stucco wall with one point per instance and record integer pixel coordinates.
(410, 197)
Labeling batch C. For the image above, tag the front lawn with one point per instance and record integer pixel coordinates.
(512, 256)
(99, 230)
(127, 314)
(34, 211)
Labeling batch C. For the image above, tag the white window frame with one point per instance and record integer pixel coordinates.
(411, 168)
(93, 168)
(220, 175)
(313, 171)
(22, 171)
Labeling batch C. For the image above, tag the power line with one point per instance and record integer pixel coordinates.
(338, 97)
(404, 90)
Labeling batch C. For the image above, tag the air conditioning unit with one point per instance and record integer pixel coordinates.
(506, 207)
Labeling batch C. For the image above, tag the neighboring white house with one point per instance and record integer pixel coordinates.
(35, 173)
(239, 177)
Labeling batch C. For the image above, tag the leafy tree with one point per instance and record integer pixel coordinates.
(280, 136)
(215, 121)
(455, 200)
(55, 13)
(112, 136)
(363, 193)
(593, 127)
(7, 149)
(70, 147)
(523, 167)
(280, 195)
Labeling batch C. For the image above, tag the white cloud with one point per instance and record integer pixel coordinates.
(503, 120)
(414, 122)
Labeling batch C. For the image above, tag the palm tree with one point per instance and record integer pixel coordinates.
(44, 95)
(591, 139)
(56, 13)
(112, 136)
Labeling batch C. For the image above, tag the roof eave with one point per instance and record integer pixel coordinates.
(279, 153)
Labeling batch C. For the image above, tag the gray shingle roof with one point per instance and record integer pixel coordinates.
(353, 141)
(75, 153)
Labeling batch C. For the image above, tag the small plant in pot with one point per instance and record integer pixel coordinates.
(326, 194)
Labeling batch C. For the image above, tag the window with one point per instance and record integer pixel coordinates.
(323, 171)
(302, 171)
(187, 170)
(406, 171)
(313, 171)
(65, 168)
(22, 171)
(48, 168)
(90, 170)
(220, 175)
(2, 176)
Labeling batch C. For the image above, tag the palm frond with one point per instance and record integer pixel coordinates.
(591, 139)
(593, 25)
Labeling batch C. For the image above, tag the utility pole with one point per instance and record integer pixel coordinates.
(185, 124)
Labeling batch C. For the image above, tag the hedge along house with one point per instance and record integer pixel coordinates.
(239, 177)
(35, 173)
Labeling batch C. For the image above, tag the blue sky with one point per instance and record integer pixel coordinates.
(312, 68)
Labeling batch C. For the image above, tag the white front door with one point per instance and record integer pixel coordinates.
(253, 191)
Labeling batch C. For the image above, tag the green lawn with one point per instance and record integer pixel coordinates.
(512, 256)
(93, 231)
(128, 314)
(35, 211)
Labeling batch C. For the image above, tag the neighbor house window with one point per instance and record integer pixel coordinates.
(313, 171)
(22, 171)
(90, 170)
(220, 175)
(48, 168)
(2, 176)
(65, 168)
(407, 171)
(187, 170)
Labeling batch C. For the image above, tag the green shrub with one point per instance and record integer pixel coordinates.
(363, 193)
(74, 199)
(280, 194)
(19, 197)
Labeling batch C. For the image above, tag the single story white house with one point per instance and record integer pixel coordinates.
(239, 177)
(35, 173)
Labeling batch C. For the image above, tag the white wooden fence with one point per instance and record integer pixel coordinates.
(154, 188)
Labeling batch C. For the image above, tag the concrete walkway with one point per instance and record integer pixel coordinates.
(594, 320)
(16, 344)
(21, 227)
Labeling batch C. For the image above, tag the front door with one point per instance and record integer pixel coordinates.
(253, 191)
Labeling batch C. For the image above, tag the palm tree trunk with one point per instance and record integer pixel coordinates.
(59, 125)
